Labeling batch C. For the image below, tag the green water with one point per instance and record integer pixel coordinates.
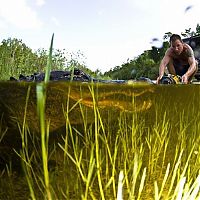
(138, 126)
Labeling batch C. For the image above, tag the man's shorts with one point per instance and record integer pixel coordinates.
(180, 68)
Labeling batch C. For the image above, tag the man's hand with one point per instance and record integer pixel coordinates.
(158, 79)
(185, 78)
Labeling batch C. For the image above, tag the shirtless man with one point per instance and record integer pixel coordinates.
(179, 59)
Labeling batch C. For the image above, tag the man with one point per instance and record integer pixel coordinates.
(179, 59)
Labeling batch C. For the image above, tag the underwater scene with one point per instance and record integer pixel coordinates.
(76, 140)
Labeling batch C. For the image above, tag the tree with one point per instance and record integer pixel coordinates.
(16, 58)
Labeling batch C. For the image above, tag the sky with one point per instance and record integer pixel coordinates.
(107, 32)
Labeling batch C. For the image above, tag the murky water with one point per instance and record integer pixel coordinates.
(140, 123)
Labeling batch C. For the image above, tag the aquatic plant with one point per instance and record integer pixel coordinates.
(134, 153)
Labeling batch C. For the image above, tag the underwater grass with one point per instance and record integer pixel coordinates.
(127, 158)
(94, 158)
(41, 100)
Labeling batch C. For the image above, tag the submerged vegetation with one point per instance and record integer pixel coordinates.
(69, 140)
(155, 150)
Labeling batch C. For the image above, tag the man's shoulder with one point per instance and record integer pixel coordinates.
(188, 50)
(169, 52)
(186, 46)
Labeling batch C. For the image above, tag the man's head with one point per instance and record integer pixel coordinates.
(176, 44)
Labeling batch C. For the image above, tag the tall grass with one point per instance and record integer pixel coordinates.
(119, 155)
(90, 161)
(44, 126)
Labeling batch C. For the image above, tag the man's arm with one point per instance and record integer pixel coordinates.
(163, 64)
(193, 65)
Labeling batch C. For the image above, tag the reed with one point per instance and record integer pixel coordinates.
(96, 154)
(112, 157)
(44, 128)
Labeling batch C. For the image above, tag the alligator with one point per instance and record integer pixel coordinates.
(68, 98)
(56, 75)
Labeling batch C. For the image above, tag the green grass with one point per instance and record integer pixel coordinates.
(158, 156)
(112, 152)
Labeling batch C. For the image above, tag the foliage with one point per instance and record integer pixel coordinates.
(16, 58)
(145, 65)
(156, 149)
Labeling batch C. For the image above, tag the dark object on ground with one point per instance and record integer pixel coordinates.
(194, 42)
(78, 75)
(170, 79)
(144, 79)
